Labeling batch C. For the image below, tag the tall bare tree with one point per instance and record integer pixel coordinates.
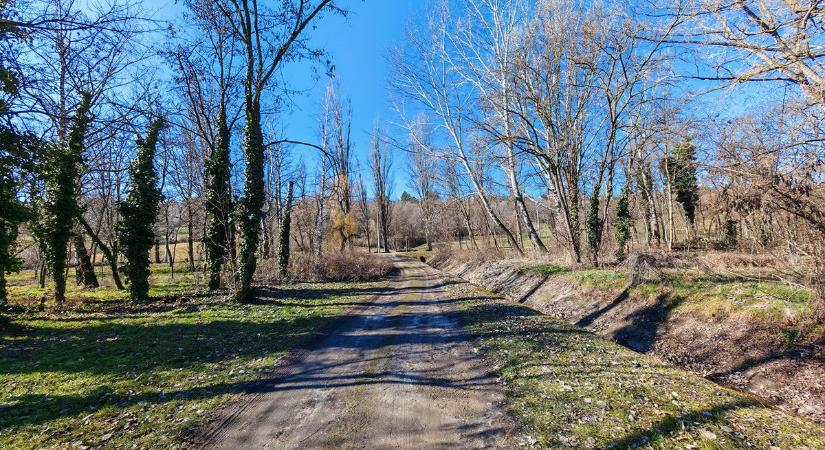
(268, 36)
(427, 75)
(381, 166)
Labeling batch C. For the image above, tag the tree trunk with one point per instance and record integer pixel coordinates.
(42, 275)
(267, 237)
(85, 269)
(283, 234)
(107, 252)
(517, 219)
(671, 226)
(385, 224)
(190, 240)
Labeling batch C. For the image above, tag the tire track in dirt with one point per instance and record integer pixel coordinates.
(401, 373)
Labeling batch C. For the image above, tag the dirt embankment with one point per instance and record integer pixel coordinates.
(731, 348)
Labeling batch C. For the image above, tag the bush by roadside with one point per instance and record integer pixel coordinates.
(336, 267)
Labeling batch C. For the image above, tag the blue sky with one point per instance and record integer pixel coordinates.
(358, 46)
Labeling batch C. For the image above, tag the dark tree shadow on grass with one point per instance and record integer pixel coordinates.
(664, 427)
(641, 333)
(107, 347)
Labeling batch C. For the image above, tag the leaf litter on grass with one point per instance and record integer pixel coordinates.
(111, 376)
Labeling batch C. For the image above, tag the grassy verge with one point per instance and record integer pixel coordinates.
(107, 375)
(697, 293)
(570, 388)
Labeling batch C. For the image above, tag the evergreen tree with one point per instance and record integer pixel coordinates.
(139, 212)
(623, 224)
(218, 202)
(730, 234)
(19, 154)
(58, 208)
(685, 184)
(594, 226)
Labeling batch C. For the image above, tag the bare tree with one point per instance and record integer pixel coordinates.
(486, 46)
(427, 75)
(340, 157)
(422, 176)
(268, 38)
(380, 165)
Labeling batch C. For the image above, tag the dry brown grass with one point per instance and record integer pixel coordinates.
(330, 267)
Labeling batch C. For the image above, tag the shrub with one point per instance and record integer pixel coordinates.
(346, 266)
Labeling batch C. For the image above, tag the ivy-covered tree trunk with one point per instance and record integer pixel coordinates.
(623, 224)
(253, 201)
(11, 216)
(59, 208)
(138, 214)
(283, 234)
(594, 227)
(218, 202)
(8, 263)
(12, 212)
(85, 270)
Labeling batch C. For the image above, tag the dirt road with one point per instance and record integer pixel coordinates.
(400, 373)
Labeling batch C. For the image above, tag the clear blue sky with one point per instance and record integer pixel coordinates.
(358, 46)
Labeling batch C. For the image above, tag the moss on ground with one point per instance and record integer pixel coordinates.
(713, 296)
(107, 374)
(572, 389)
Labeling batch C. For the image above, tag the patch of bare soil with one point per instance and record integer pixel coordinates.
(401, 373)
(732, 349)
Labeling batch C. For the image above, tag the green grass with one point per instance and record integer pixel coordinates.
(107, 374)
(24, 290)
(572, 389)
(547, 269)
(708, 297)
(698, 293)
(604, 279)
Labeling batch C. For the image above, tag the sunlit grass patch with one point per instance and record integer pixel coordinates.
(709, 297)
(24, 289)
(604, 279)
(547, 269)
(572, 389)
(119, 375)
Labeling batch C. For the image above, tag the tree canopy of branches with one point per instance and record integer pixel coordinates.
(267, 39)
